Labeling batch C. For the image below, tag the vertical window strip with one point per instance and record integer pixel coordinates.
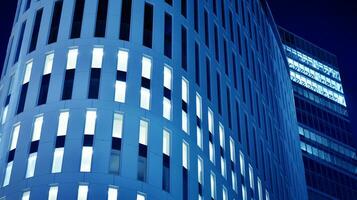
(167, 105)
(148, 25)
(53, 193)
(77, 19)
(125, 20)
(120, 84)
(101, 21)
(35, 30)
(19, 42)
(55, 22)
(199, 121)
(145, 93)
(24, 87)
(168, 35)
(185, 96)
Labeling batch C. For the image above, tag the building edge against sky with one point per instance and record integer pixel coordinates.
(147, 100)
(326, 137)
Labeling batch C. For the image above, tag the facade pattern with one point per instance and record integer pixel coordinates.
(324, 127)
(156, 99)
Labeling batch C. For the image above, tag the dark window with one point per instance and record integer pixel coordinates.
(184, 8)
(168, 36)
(206, 28)
(195, 13)
(242, 83)
(250, 96)
(247, 134)
(225, 57)
(214, 2)
(238, 122)
(142, 163)
(45, 82)
(218, 78)
(77, 19)
(94, 83)
(148, 23)
(125, 20)
(114, 162)
(23, 94)
(185, 183)
(36, 30)
(184, 48)
(197, 63)
(68, 84)
(223, 13)
(101, 22)
(166, 173)
(208, 77)
(28, 4)
(234, 66)
(229, 108)
(19, 43)
(216, 48)
(231, 26)
(56, 19)
(239, 39)
(169, 2)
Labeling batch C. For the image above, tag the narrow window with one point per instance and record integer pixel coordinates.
(148, 25)
(140, 196)
(91, 117)
(223, 14)
(228, 93)
(241, 164)
(31, 164)
(15, 136)
(185, 95)
(52, 193)
(145, 93)
(57, 160)
(112, 193)
(125, 20)
(166, 161)
(114, 163)
(200, 176)
(36, 30)
(216, 47)
(169, 2)
(199, 121)
(82, 192)
(224, 194)
(197, 63)
(219, 96)
(184, 48)
(77, 19)
(225, 57)
(24, 87)
(184, 8)
(62, 123)
(213, 185)
(142, 159)
(244, 193)
(206, 28)
(69, 74)
(251, 177)
(234, 66)
(27, 5)
(8, 173)
(19, 42)
(211, 150)
(222, 150)
(86, 161)
(185, 163)
(195, 17)
(26, 195)
(120, 83)
(94, 83)
(101, 21)
(45, 82)
(208, 78)
(168, 36)
(167, 105)
(56, 19)
(260, 190)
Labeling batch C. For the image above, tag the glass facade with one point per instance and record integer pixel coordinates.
(151, 99)
(325, 134)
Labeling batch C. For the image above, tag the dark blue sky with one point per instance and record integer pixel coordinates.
(330, 24)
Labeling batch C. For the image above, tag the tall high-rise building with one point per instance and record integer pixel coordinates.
(326, 138)
(156, 99)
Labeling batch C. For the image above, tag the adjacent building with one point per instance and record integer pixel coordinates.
(156, 99)
(326, 137)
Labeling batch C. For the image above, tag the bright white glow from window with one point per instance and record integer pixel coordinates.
(97, 58)
(8, 173)
(184, 86)
(199, 137)
(4, 114)
(198, 106)
(223, 167)
(211, 152)
(184, 124)
(213, 185)
(200, 170)
(143, 132)
(140, 196)
(267, 195)
(15, 136)
(251, 177)
(260, 190)
(146, 67)
(145, 98)
(86, 161)
(232, 150)
(37, 128)
(167, 77)
(210, 121)
(120, 91)
(117, 125)
(122, 60)
(185, 155)
(166, 143)
(224, 193)
(166, 110)
(52, 193)
(62, 123)
(91, 117)
(28, 70)
(57, 160)
(242, 164)
(112, 193)
(31, 164)
(234, 181)
(221, 136)
(48, 64)
(244, 193)
(72, 59)
(26, 195)
(82, 192)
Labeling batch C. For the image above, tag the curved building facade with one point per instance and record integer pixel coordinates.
(156, 99)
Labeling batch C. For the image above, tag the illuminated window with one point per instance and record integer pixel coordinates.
(166, 108)
(91, 117)
(72, 59)
(224, 194)
(213, 185)
(232, 150)
(251, 177)
(145, 98)
(184, 86)
(221, 136)
(4, 114)
(122, 60)
(112, 193)
(117, 125)
(52, 193)
(62, 123)
(260, 190)
(166, 143)
(185, 155)
(15, 136)
(143, 132)
(184, 122)
(199, 137)
(86, 161)
(28, 70)
(146, 67)
(26, 195)
(200, 170)
(210, 121)
(8, 173)
(140, 196)
(48, 64)
(242, 164)
(57, 160)
(211, 152)
(167, 77)
(267, 197)
(198, 106)
(97, 58)
(31, 164)
(120, 91)
(36, 134)
(244, 193)
(82, 192)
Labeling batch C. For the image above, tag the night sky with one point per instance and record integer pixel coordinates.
(330, 24)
